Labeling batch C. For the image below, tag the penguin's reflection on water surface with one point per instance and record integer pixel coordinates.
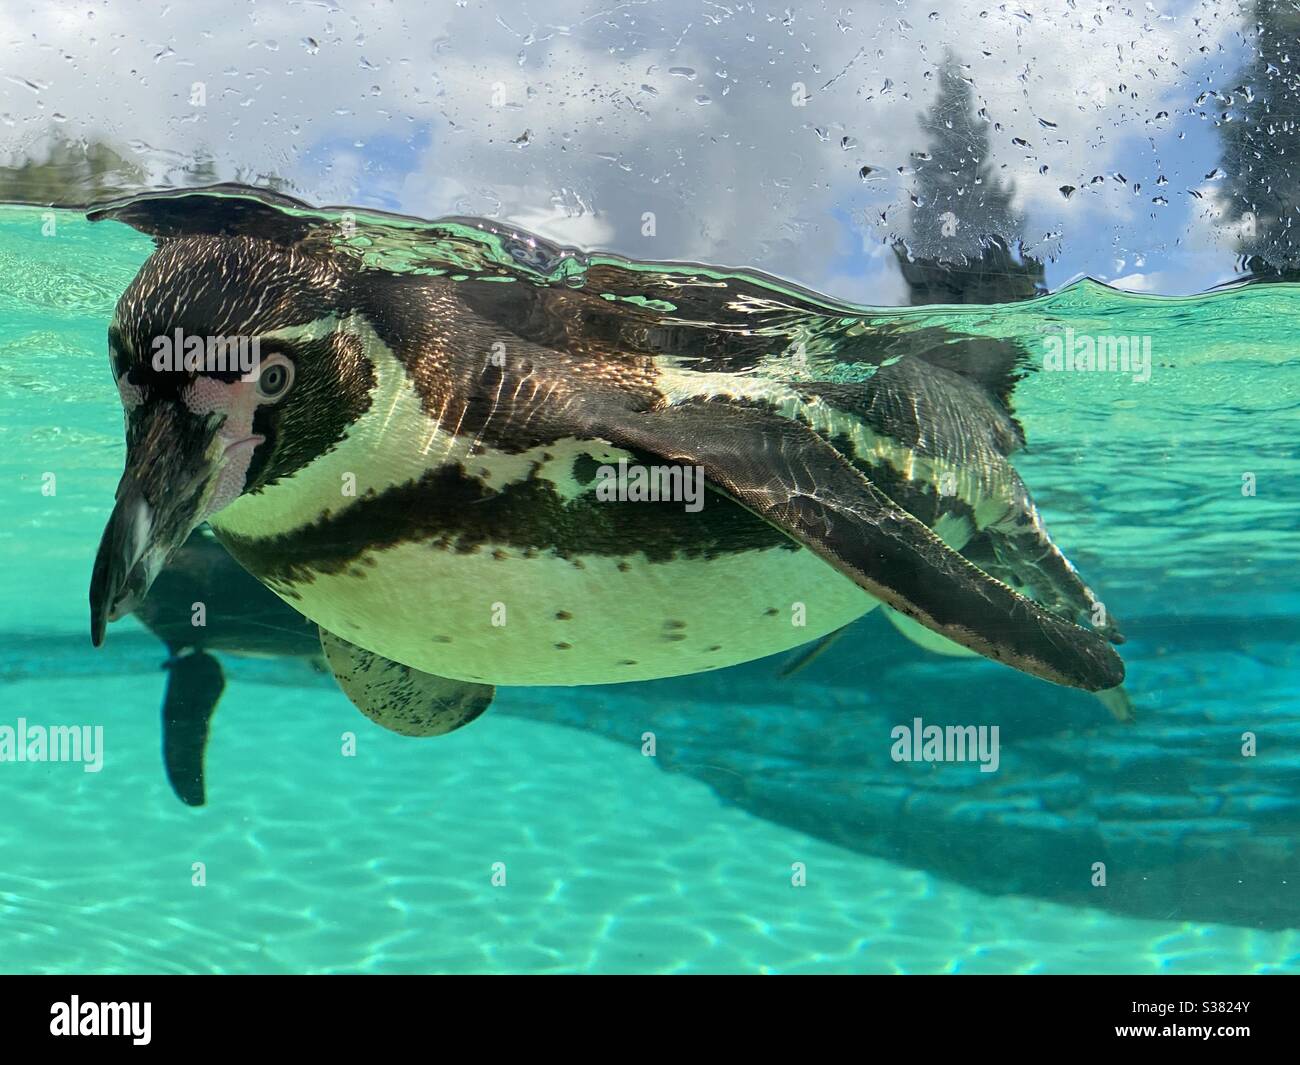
(471, 384)
(239, 617)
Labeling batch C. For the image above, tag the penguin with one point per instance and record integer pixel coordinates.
(239, 616)
(432, 458)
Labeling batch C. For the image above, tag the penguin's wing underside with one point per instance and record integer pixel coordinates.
(402, 699)
(786, 474)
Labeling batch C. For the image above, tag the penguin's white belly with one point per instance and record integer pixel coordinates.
(499, 618)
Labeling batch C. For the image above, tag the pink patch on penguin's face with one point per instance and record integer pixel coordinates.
(132, 395)
(233, 478)
(207, 395)
(238, 401)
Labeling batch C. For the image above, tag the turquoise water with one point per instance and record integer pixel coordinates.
(614, 861)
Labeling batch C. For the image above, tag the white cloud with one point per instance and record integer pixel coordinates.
(1138, 282)
(682, 108)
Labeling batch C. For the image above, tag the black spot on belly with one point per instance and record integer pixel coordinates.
(584, 469)
(450, 510)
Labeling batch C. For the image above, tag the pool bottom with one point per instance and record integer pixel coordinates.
(315, 861)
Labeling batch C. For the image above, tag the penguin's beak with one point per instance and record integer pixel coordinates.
(173, 462)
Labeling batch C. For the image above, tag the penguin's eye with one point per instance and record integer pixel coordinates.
(276, 377)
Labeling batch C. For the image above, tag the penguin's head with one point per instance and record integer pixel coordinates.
(234, 370)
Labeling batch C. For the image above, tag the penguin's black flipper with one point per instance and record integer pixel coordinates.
(402, 699)
(1021, 554)
(194, 685)
(786, 474)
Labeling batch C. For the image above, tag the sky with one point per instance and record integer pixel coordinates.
(731, 133)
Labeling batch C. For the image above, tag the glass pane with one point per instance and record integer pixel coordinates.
(793, 423)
